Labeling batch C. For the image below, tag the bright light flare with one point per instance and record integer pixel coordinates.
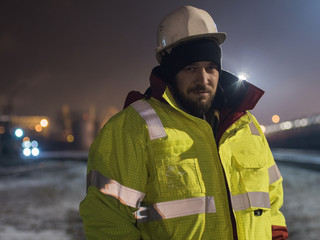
(35, 151)
(243, 76)
(44, 123)
(263, 128)
(27, 152)
(18, 132)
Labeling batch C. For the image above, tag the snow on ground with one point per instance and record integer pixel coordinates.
(301, 202)
(43, 204)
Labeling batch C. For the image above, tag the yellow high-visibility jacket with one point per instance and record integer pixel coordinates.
(156, 172)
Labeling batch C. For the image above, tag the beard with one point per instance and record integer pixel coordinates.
(197, 106)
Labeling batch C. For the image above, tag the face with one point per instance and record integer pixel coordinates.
(196, 85)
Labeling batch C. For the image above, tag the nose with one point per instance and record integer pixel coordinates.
(202, 75)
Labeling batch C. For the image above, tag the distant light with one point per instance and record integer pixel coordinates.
(38, 128)
(35, 151)
(25, 139)
(263, 128)
(27, 152)
(44, 122)
(26, 144)
(242, 77)
(34, 144)
(19, 132)
(275, 118)
(304, 122)
(297, 123)
(70, 138)
(286, 125)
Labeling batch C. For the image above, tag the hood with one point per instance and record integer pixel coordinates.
(233, 99)
(238, 95)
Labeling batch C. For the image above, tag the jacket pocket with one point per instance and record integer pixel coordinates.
(250, 159)
(178, 177)
(250, 172)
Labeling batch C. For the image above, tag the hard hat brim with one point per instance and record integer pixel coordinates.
(219, 37)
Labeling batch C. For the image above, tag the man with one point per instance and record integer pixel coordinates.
(186, 160)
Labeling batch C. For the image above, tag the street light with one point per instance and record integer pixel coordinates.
(18, 132)
(44, 122)
(275, 118)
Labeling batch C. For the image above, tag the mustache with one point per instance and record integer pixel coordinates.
(199, 87)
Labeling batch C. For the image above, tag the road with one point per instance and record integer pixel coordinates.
(42, 203)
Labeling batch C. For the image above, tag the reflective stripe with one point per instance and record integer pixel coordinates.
(274, 174)
(254, 130)
(125, 195)
(177, 208)
(250, 199)
(155, 127)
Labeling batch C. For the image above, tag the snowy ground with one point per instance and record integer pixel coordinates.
(302, 202)
(43, 204)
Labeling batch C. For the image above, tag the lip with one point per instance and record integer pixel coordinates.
(200, 92)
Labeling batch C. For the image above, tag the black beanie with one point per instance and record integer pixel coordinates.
(188, 53)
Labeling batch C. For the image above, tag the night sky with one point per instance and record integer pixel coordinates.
(83, 53)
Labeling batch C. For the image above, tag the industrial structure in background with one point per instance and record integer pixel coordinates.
(303, 133)
(28, 136)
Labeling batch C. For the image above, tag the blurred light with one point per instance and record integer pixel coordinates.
(26, 139)
(2, 130)
(318, 119)
(263, 128)
(35, 151)
(242, 76)
(275, 118)
(38, 128)
(44, 122)
(26, 144)
(34, 144)
(27, 152)
(286, 125)
(304, 122)
(19, 132)
(70, 138)
(297, 123)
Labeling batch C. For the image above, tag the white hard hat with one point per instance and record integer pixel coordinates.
(185, 24)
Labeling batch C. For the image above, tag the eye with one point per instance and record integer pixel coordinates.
(211, 68)
(190, 68)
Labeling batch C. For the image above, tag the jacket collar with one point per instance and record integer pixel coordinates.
(246, 100)
(240, 96)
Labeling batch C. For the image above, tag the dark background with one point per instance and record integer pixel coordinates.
(91, 53)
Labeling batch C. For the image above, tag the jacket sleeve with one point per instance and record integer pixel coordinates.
(278, 223)
(117, 176)
(279, 229)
